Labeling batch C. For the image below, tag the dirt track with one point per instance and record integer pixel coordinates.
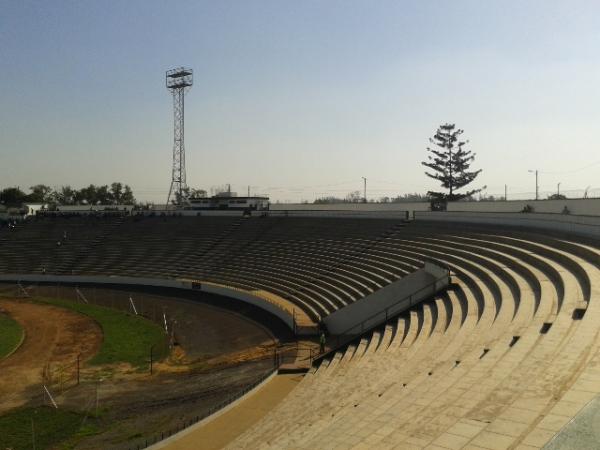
(51, 334)
(222, 352)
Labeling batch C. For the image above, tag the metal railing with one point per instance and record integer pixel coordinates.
(151, 440)
(375, 320)
(296, 356)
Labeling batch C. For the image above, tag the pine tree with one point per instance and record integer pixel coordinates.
(450, 164)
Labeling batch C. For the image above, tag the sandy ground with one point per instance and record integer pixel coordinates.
(222, 353)
(51, 335)
(202, 330)
(223, 429)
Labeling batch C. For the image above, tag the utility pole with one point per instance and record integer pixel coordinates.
(365, 189)
(537, 186)
(505, 193)
(248, 191)
(558, 189)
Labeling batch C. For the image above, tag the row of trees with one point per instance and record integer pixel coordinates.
(356, 197)
(188, 192)
(448, 162)
(115, 194)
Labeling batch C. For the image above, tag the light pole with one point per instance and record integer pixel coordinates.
(537, 187)
(365, 189)
(558, 189)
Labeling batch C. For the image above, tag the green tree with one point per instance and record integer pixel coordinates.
(103, 196)
(354, 197)
(12, 196)
(186, 194)
(557, 197)
(64, 196)
(327, 200)
(40, 193)
(116, 193)
(86, 195)
(127, 198)
(93, 195)
(181, 198)
(197, 193)
(416, 197)
(449, 163)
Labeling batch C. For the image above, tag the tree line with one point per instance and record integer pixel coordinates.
(356, 197)
(115, 194)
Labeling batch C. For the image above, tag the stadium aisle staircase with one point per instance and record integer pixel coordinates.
(502, 360)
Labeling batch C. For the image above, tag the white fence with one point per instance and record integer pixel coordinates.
(577, 225)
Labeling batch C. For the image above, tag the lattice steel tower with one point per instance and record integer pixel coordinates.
(178, 81)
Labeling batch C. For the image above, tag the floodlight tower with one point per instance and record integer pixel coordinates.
(178, 81)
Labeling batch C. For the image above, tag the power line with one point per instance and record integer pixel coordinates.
(572, 171)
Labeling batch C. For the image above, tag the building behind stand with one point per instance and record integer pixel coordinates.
(229, 202)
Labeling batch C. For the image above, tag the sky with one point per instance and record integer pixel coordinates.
(300, 99)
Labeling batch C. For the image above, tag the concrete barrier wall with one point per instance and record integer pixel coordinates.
(319, 213)
(252, 299)
(388, 301)
(588, 206)
(588, 226)
(247, 297)
(83, 279)
(341, 214)
(376, 207)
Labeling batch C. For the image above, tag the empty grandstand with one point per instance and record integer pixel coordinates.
(503, 358)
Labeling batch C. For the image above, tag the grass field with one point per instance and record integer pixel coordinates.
(11, 334)
(45, 426)
(126, 338)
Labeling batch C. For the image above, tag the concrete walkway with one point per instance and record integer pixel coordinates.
(582, 432)
(225, 427)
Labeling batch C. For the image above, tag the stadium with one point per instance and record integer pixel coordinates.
(502, 352)
(335, 263)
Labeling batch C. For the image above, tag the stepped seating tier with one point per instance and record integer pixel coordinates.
(318, 264)
(501, 360)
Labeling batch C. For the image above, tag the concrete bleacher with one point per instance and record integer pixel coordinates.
(501, 360)
(52, 245)
(316, 264)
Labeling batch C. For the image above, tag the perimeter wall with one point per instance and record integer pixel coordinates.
(589, 206)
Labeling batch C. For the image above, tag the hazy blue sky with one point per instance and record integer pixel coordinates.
(299, 98)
